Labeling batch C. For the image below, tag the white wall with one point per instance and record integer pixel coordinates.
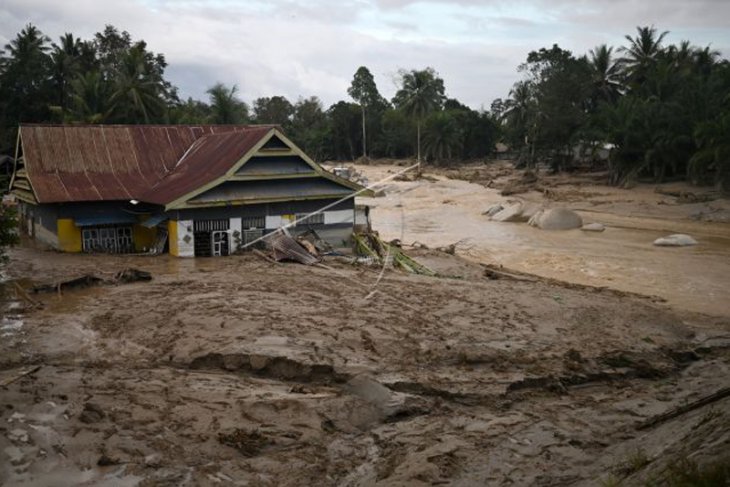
(339, 216)
(185, 239)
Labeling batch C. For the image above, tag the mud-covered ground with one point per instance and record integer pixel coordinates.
(236, 371)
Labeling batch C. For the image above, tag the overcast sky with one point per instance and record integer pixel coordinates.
(303, 48)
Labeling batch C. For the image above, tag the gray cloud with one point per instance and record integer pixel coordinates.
(298, 48)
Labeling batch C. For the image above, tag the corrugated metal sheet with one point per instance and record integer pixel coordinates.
(116, 162)
(209, 158)
(286, 248)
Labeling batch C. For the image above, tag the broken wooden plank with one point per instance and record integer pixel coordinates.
(24, 294)
(19, 375)
(678, 411)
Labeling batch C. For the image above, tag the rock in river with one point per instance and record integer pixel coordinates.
(676, 240)
(556, 219)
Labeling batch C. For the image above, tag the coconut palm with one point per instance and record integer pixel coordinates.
(225, 105)
(24, 87)
(137, 94)
(65, 67)
(605, 74)
(421, 93)
(641, 53)
(441, 136)
(90, 99)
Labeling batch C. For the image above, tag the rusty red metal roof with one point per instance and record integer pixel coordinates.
(67, 163)
(208, 159)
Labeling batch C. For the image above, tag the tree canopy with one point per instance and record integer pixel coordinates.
(663, 111)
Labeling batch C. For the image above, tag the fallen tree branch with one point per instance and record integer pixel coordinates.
(678, 411)
(23, 372)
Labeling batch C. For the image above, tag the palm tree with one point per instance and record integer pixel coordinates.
(421, 93)
(441, 136)
(226, 106)
(65, 66)
(713, 139)
(520, 118)
(25, 80)
(605, 74)
(137, 94)
(704, 60)
(641, 53)
(90, 99)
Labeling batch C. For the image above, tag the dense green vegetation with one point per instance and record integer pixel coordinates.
(663, 111)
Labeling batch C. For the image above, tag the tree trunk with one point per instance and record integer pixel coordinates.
(418, 143)
(364, 139)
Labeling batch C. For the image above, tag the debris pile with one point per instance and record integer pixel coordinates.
(286, 247)
(373, 248)
(125, 276)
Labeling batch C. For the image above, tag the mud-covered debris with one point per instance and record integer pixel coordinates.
(132, 275)
(92, 413)
(77, 283)
(249, 443)
(124, 276)
(105, 460)
(328, 426)
(548, 383)
(685, 408)
(285, 247)
(275, 367)
(371, 246)
(574, 356)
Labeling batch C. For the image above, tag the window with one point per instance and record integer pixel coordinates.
(305, 219)
(109, 239)
(210, 225)
(249, 222)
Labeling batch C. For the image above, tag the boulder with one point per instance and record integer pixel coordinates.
(676, 240)
(556, 219)
(593, 227)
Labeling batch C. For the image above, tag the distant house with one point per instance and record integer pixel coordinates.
(207, 190)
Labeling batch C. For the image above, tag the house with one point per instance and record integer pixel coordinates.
(207, 190)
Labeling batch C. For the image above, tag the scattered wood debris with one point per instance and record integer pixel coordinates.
(285, 247)
(372, 247)
(125, 276)
(249, 443)
(678, 411)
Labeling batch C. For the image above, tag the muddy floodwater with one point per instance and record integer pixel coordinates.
(439, 211)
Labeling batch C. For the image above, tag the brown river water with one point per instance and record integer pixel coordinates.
(445, 211)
